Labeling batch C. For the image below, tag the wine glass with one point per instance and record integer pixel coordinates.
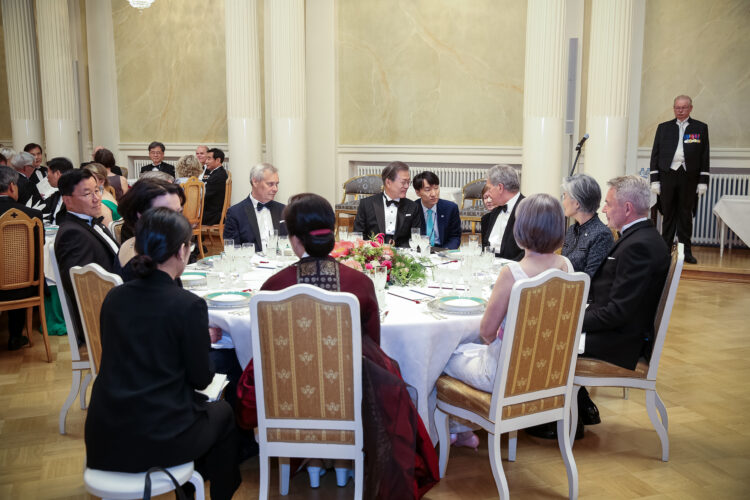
(413, 244)
(343, 233)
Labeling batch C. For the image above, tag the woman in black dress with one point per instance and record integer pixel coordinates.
(144, 409)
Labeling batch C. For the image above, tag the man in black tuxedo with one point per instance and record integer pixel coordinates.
(216, 185)
(28, 194)
(679, 172)
(8, 201)
(81, 239)
(389, 212)
(254, 219)
(54, 203)
(156, 154)
(504, 188)
(439, 218)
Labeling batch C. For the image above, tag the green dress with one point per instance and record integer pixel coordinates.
(113, 207)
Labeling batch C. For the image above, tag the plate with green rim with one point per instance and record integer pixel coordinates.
(192, 279)
(455, 304)
(228, 299)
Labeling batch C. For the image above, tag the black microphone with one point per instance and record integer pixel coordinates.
(580, 143)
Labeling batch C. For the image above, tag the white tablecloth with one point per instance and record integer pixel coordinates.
(734, 211)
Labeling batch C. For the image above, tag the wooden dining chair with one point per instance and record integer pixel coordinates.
(354, 189)
(22, 267)
(195, 192)
(215, 232)
(91, 284)
(308, 378)
(534, 380)
(115, 227)
(472, 193)
(597, 373)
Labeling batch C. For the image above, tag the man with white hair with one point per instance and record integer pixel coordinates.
(28, 194)
(254, 219)
(504, 189)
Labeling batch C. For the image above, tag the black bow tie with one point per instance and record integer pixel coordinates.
(503, 208)
(388, 202)
(96, 221)
(261, 206)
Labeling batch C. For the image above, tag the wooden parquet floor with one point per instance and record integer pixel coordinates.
(703, 381)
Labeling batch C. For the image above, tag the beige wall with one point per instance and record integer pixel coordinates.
(431, 72)
(702, 49)
(5, 129)
(171, 69)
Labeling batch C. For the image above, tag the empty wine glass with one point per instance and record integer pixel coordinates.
(343, 233)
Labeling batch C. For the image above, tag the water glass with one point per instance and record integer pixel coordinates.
(343, 234)
(228, 246)
(416, 233)
(414, 243)
(213, 280)
(355, 235)
(248, 250)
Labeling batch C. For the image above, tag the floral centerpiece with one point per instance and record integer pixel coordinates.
(403, 269)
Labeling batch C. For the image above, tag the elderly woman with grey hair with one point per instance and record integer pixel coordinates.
(588, 240)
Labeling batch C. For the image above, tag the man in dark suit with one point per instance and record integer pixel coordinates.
(254, 219)
(81, 239)
(439, 218)
(54, 203)
(28, 194)
(156, 154)
(8, 201)
(679, 172)
(216, 185)
(503, 187)
(389, 212)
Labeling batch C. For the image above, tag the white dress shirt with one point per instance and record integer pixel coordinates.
(391, 215)
(679, 155)
(632, 223)
(498, 230)
(265, 223)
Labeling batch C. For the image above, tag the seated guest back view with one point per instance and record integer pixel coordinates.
(389, 212)
(104, 157)
(81, 239)
(503, 186)
(188, 166)
(54, 203)
(144, 410)
(255, 218)
(156, 155)
(588, 240)
(216, 185)
(439, 218)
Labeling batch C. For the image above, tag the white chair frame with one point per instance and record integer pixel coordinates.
(125, 486)
(305, 450)
(496, 425)
(654, 405)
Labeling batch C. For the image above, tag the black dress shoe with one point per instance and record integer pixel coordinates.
(690, 259)
(549, 431)
(588, 413)
(15, 343)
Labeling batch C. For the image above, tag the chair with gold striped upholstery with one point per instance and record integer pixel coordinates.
(534, 379)
(308, 378)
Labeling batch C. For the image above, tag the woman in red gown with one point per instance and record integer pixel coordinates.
(400, 460)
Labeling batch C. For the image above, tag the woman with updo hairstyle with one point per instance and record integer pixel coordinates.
(119, 183)
(539, 230)
(145, 411)
(388, 414)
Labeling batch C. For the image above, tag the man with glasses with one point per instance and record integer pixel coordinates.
(81, 239)
(156, 155)
(679, 172)
(389, 212)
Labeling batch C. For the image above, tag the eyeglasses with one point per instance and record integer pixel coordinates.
(93, 194)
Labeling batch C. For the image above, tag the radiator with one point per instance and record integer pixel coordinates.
(453, 177)
(705, 227)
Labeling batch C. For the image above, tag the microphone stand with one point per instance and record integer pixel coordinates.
(575, 162)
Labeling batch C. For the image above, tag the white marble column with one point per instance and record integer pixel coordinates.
(288, 143)
(608, 89)
(58, 84)
(543, 102)
(23, 75)
(244, 119)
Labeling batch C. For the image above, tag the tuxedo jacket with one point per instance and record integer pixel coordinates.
(448, 223)
(624, 295)
(213, 202)
(370, 218)
(50, 204)
(509, 248)
(695, 145)
(77, 244)
(8, 203)
(167, 168)
(27, 190)
(241, 223)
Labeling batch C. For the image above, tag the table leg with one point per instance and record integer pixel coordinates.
(722, 233)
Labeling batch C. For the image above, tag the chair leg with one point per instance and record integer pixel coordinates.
(441, 422)
(45, 334)
(496, 463)
(625, 392)
(29, 310)
(359, 476)
(652, 402)
(284, 475)
(84, 388)
(564, 440)
(573, 414)
(200, 490)
(512, 445)
(265, 470)
(74, 388)
(200, 244)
